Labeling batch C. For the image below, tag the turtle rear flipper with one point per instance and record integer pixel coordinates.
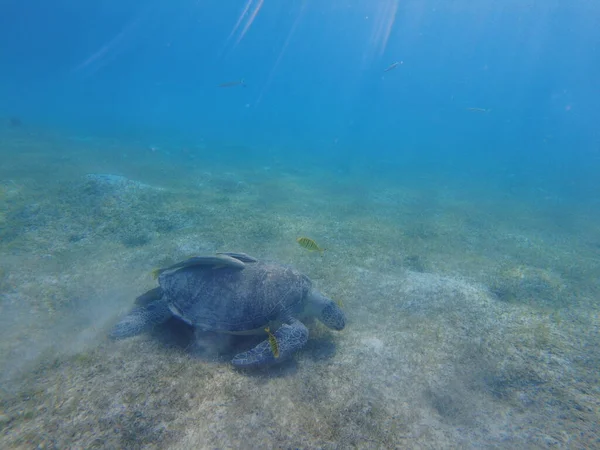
(290, 337)
(140, 319)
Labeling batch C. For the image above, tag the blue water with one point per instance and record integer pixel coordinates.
(477, 155)
(316, 85)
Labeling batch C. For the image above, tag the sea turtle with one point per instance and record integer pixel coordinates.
(234, 293)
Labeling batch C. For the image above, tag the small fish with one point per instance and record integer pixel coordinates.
(309, 244)
(273, 343)
(14, 122)
(233, 83)
(156, 272)
(241, 256)
(216, 262)
(481, 110)
(393, 66)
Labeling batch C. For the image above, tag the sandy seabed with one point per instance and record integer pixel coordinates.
(473, 319)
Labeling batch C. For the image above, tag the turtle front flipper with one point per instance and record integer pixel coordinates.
(140, 319)
(290, 337)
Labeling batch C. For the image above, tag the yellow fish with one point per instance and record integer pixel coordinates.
(273, 343)
(309, 244)
(156, 273)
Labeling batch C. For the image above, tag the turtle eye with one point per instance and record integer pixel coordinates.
(333, 317)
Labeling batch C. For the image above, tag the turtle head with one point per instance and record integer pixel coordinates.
(326, 310)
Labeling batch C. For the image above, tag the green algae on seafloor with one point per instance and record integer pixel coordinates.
(524, 366)
(530, 285)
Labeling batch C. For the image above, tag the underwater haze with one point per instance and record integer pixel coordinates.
(430, 168)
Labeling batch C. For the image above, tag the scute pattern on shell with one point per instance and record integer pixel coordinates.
(227, 300)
